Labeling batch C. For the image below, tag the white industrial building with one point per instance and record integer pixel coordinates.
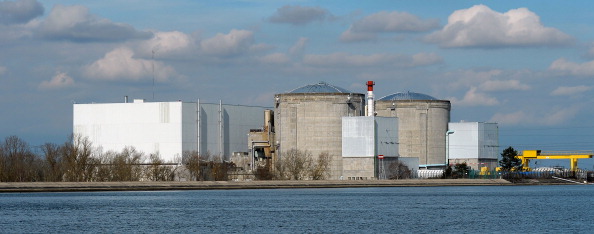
(473, 143)
(167, 128)
(364, 138)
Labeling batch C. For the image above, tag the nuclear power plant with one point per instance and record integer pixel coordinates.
(361, 136)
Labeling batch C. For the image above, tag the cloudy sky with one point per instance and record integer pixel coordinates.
(527, 65)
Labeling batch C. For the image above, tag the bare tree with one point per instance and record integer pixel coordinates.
(157, 171)
(54, 169)
(321, 169)
(398, 170)
(17, 161)
(125, 165)
(77, 159)
(192, 160)
(103, 171)
(296, 164)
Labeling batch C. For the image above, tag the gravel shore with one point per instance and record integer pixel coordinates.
(203, 185)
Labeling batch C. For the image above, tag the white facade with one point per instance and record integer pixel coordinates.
(167, 128)
(363, 139)
(368, 136)
(473, 140)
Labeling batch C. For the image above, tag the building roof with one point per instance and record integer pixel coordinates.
(407, 96)
(321, 87)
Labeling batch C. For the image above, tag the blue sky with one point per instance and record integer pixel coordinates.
(527, 65)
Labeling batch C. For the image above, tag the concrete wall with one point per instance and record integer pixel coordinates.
(422, 125)
(355, 168)
(312, 122)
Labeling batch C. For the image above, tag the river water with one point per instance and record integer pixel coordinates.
(473, 209)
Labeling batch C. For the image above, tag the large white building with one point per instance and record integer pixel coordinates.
(167, 128)
(473, 143)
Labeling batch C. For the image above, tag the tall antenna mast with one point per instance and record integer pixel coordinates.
(153, 66)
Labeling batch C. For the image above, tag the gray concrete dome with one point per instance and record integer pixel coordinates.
(407, 96)
(320, 87)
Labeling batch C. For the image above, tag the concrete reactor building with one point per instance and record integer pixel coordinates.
(423, 123)
(310, 118)
(167, 128)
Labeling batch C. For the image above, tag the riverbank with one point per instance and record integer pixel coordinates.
(205, 185)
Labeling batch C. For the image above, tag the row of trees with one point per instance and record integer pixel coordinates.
(297, 165)
(78, 161)
(460, 170)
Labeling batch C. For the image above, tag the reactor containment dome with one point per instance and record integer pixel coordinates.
(423, 123)
(309, 118)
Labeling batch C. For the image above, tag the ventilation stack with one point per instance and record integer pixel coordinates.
(370, 101)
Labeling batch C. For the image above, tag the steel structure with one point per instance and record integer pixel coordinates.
(573, 157)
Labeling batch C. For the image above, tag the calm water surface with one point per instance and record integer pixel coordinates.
(481, 209)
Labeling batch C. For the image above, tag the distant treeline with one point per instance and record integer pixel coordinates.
(76, 160)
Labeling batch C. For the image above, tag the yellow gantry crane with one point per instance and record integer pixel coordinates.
(573, 157)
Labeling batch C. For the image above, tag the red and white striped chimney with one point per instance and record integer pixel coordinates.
(370, 101)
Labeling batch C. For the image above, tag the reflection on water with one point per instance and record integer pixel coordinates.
(505, 209)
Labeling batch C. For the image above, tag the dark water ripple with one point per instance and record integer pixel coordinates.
(487, 209)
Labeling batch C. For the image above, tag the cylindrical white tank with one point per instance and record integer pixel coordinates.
(422, 124)
(310, 118)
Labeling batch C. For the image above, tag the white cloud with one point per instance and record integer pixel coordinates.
(571, 90)
(60, 80)
(299, 15)
(422, 59)
(548, 117)
(464, 78)
(479, 26)
(120, 64)
(299, 47)
(346, 59)
(368, 27)
(571, 68)
(234, 43)
(74, 23)
(2, 70)
(561, 115)
(510, 118)
(590, 51)
(19, 11)
(503, 85)
(167, 43)
(474, 98)
(275, 58)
